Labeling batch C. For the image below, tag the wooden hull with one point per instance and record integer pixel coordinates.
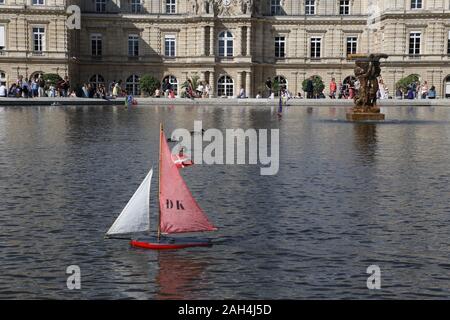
(169, 246)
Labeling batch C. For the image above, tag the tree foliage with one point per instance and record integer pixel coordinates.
(149, 84)
(405, 82)
(318, 84)
(51, 78)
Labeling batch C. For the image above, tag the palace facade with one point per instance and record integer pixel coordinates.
(232, 44)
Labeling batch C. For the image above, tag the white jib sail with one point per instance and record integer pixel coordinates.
(136, 214)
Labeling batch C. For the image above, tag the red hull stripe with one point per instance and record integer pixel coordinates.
(168, 246)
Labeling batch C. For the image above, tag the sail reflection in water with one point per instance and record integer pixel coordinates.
(178, 277)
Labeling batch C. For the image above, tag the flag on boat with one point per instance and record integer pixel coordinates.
(180, 212)
(181, 160)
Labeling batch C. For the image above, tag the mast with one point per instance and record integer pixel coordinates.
(159, 181)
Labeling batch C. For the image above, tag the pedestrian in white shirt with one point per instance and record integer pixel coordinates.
(3, 90)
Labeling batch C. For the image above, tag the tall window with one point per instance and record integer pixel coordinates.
(352, 43)
(96, 45)
(416, 4)
(225, 44)
(225, 86)
(132, 85)
(310, 7)
(38, 39)
(280, 47)
(136, 6)
(170, 46)
(275, 7)
(100, 5)
(414, 43)
(315, 47)
(2, 37)
(171, 6)
(133, 45)
(344, 7)
(448, 44)
(36, 2)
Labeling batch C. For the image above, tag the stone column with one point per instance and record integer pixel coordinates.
(248, 84)
(439, 78)
(238, 42)
(212, 43)
(238, 85)
(294, 90)
(249, 40)
(212, 83)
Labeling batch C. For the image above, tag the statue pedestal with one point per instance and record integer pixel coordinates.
(365, 116)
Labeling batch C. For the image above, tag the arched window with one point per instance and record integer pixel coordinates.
(447, 87)
(282, 82)
(349, 80)
(225, 86)
(2, 78)
(96, 80)
(35, 75)
(225, 44)
(132, 85)
(173, 81)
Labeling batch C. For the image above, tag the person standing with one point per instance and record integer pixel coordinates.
(382, 89)
(116, 89)
(3, 90)
(85, 91)
(25, 88)
(207, 90)
(333, 88)
(269, 86)
(200, 89)
(309, 88)
(424, 90)
(34, 88)
(41, 86)
(65, 87)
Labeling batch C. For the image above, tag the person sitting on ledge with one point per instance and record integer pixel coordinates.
(242, 94)
(157, 93)
(432, 93)
(411, 93)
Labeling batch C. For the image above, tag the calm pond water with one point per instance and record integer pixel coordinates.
(347, 196)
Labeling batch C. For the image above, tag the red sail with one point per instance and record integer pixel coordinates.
(179, 211)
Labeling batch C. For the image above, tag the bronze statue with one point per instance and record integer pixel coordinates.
(367, 71)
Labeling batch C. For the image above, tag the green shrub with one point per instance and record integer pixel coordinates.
(149, 84)
(51, 78)
(318, 84)
(405, 82)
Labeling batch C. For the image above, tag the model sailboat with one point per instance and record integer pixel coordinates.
(178, 210)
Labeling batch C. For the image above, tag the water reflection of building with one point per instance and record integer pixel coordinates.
(231, 44)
